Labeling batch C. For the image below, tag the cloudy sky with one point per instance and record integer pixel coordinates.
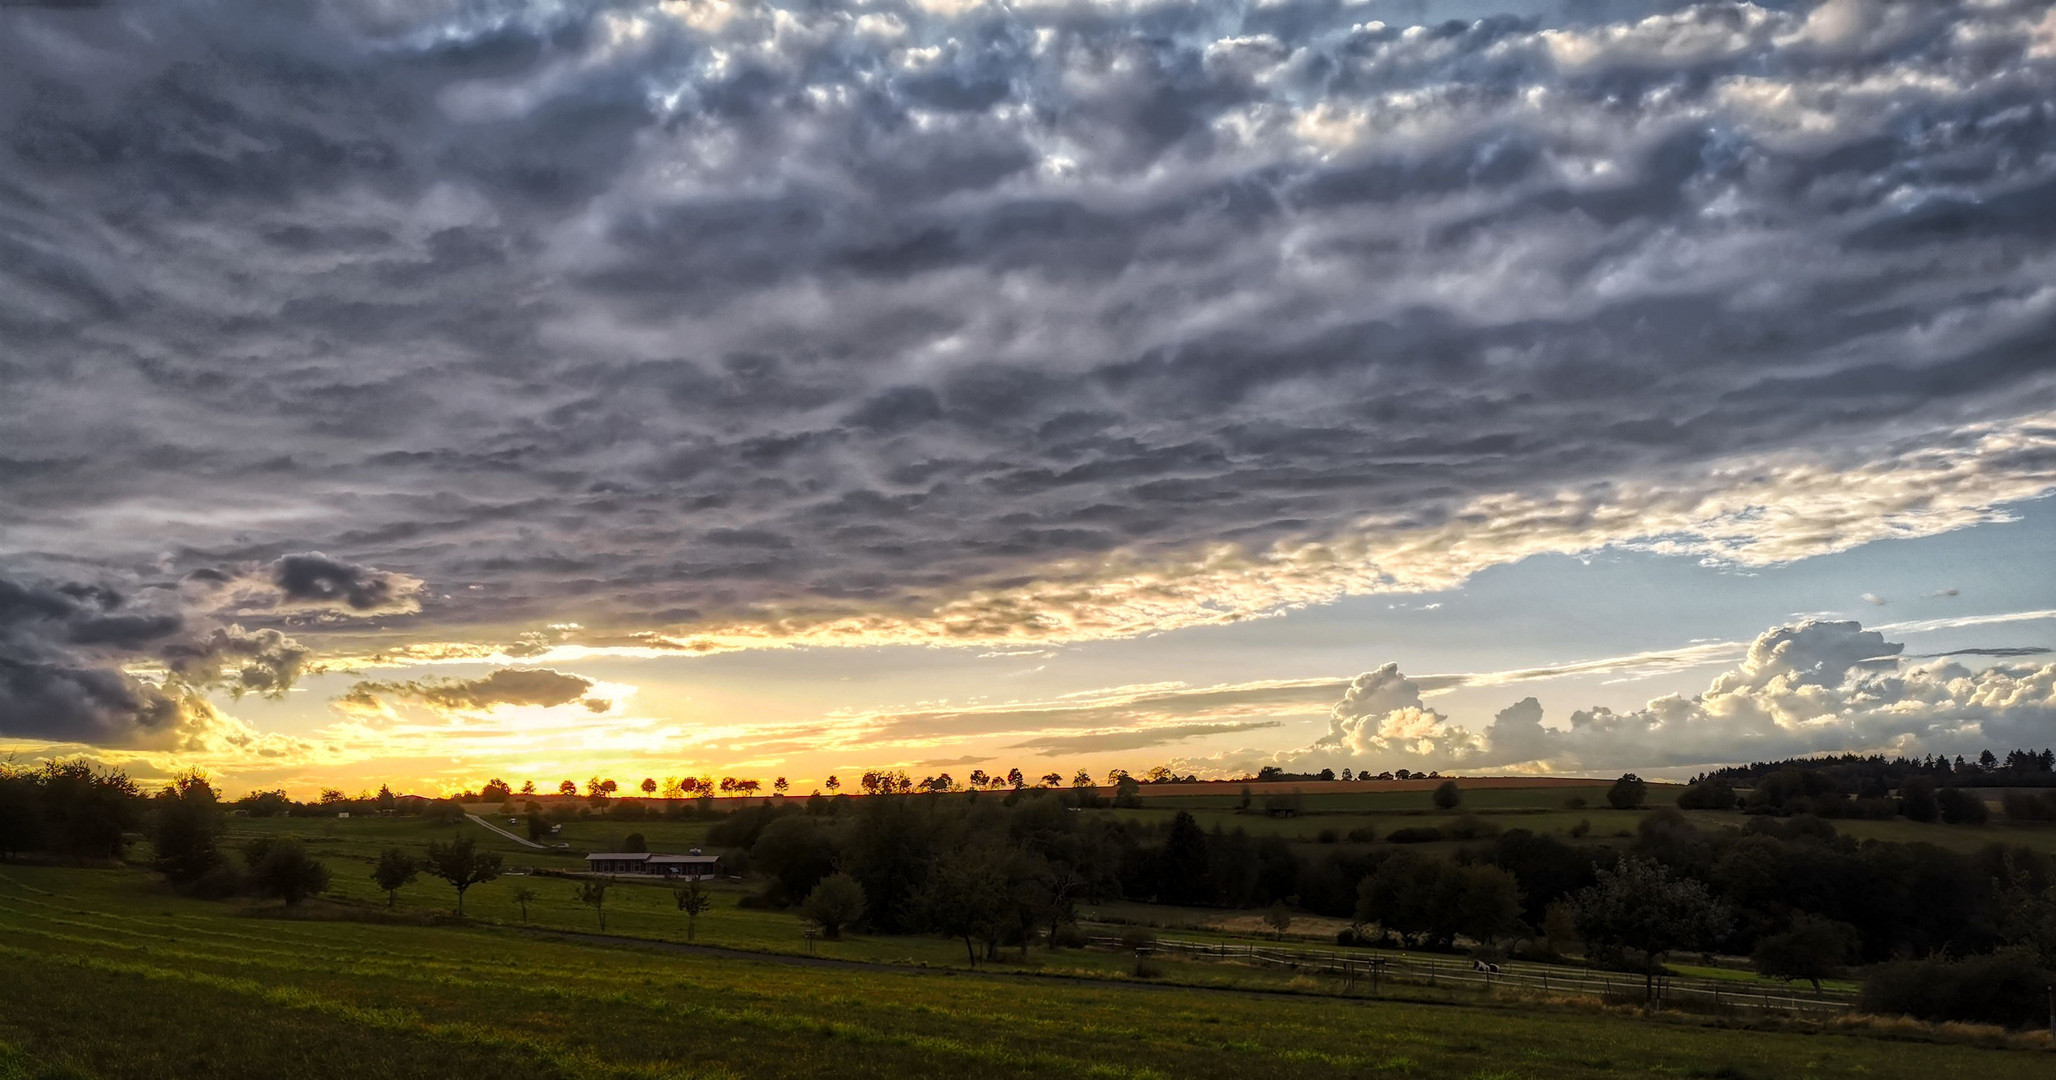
(431, 390)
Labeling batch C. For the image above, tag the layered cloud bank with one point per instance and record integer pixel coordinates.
(350, 333)
(1815, 687)
(708, 325)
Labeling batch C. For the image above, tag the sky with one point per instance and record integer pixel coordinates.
(421, 392)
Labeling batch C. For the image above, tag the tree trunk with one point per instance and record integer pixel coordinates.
(969, 951)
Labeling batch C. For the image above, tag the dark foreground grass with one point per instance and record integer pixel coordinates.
(103, 974)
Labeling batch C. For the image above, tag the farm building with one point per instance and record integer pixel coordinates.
(644, 862)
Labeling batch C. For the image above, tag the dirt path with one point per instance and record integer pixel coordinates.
(522, 840)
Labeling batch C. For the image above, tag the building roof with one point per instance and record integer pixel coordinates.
(646, 856)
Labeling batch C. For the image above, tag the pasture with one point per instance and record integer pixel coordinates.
(110, 975)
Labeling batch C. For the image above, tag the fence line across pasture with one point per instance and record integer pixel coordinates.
(1546, 978)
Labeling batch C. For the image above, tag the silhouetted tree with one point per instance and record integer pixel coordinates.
(524, 896)
(21, 813)
(395, 870)
(286, 871)
(1447, 795)
(1627, 793)
(1182, 863)
(1960, 807)
(1714, 794)
(593, 894)
(836, 902)
(964, 896)
(462, 865)
(1812, 948)
(1917, 801)
(185, 824)
(694, 900)
(796, 852)
(1638, 906)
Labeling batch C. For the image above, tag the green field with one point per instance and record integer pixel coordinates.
(110, 975)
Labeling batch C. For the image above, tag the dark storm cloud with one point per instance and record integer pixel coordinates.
(710, 314)
(65, 651)
(58, 679)
(316, 582)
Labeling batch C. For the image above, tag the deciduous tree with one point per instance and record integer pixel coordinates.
(837, 902)
(1627, 793)
(1812, 948)
(460, 863)
(593, 894)
(395, 870)
(288, 872)
(694, 900)
(1639, 907)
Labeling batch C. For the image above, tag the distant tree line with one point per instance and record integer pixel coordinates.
(1857, 773)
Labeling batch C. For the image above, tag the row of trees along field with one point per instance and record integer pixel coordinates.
(1947, 935)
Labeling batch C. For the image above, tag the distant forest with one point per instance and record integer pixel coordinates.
(1858, 774)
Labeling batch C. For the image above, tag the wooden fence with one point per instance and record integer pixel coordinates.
(1369, 971)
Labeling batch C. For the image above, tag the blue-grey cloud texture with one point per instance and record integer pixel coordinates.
(999, 320)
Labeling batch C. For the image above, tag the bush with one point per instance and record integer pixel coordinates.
(1415, 834)
(2003, 988)
(220, 883)
(835, 903)
(1574, 802)
(1447, 795)
(1960, 807)
(284, 869)
(1362, 834)
(1470, 827)
(1328, 836)
(2023, 806)
(1068, 936)
(1713, 794)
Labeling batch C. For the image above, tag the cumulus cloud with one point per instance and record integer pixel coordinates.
(1809, 688)
(722, 326)
(263, 661)
(540, 687)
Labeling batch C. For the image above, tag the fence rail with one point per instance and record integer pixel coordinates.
(1372, 970)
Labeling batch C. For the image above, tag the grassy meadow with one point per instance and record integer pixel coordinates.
(112, 975)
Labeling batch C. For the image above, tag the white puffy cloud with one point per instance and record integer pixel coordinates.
(1815, 687)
